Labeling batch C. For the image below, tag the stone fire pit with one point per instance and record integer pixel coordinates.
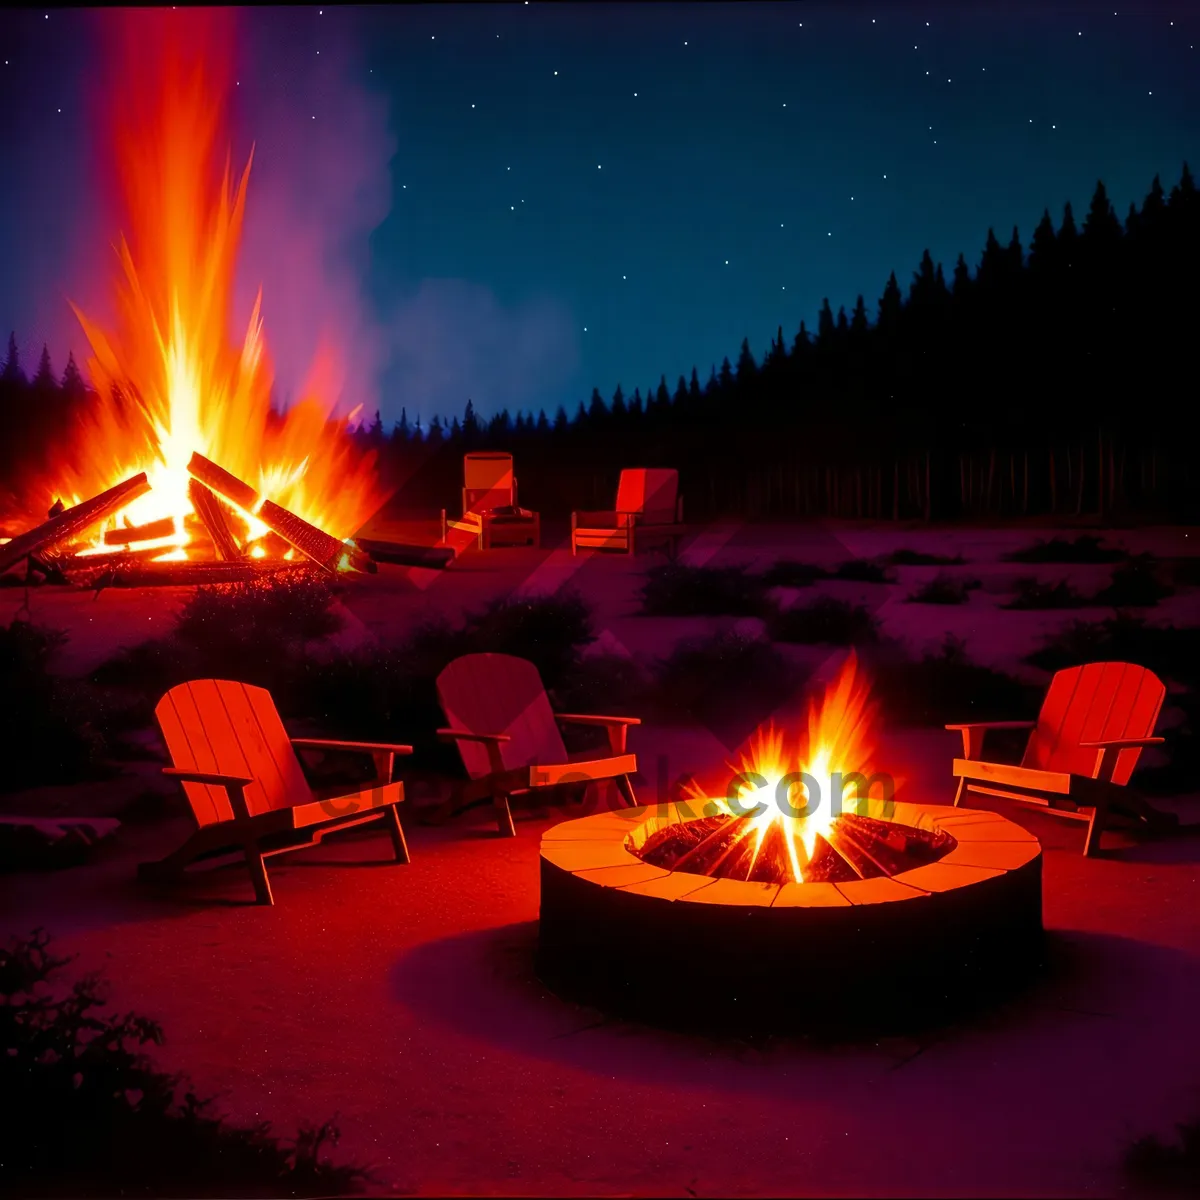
(667, 945)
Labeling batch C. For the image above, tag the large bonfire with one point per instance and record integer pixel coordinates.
(171, 380)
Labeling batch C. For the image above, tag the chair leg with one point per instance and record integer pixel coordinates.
(396, 830)
(625, 787)
(962, 787)
(504, 819)
(1091, 843)
(258, 874)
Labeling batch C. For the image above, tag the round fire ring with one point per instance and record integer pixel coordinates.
(671, 946)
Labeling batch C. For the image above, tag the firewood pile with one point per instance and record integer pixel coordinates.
(58, 550)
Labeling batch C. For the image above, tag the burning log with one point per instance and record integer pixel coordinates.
(193, 574)
(215, 517)
(326, 551)
(403, 555)
(77, 565)
(73, 521)
(162, 528)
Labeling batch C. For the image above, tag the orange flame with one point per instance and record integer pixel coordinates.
(170, 379)
(773, 778)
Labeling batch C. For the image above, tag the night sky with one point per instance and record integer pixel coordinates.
(518, 202)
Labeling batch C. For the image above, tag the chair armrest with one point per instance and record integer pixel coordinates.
(1108, 751)
(213, 777)
(994, 725)
(466, 735)
(383, 754)
(592, 719)
(234, 785)
(1124, 743)
(973, 733)
(334, 744)
(617, 726)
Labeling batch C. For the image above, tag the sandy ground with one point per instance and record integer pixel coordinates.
(402, 997)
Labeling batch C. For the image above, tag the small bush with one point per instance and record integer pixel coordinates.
(793, 574)
(52, 729)
(252, 632)
(918, 558)
(1134, 584)
(862, 570)
(613, 684)
(1084, 549)
(825, 620)
(727, 682)
(946, 686)
(1170, 652)
(96, 1117)
(675, 590)
(944, 589)
(1186, 572)
(1173, 1167)
(1033, 593)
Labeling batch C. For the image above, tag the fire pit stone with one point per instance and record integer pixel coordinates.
(642, 940)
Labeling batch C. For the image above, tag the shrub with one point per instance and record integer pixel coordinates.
(1135, 584)
(675, 590)
(728, 682)
(610, 683)
(825, 620)
(1173, 1167)
(97, 1118)
(1033, 593)
(52, 728)
(1084, 549)
(862, 570)
(1186, 572)
(1173, 653)
(944, 589)
(918, 558)
(946, 686)
(390, 692)
(254, 632)
(793, 574)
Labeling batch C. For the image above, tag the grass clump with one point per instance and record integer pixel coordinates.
(1084, 549)
(944, 589)
(676, 590)
(945, 686)
(96, 1117)
(918, 558)
(836, 622)
(1033, 593)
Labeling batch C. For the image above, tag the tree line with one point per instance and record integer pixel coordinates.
(1045, 379)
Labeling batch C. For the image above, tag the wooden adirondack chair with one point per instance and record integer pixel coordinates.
(248, 793)
(501, 719)
(491, 513)
(648, 507)
(1082, 749)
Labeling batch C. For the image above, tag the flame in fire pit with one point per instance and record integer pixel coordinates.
(170, 379)
(789, 796)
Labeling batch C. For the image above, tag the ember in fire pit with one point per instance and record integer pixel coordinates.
(787, 917)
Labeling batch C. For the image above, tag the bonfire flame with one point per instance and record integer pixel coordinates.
(170, 379)
(793, 794)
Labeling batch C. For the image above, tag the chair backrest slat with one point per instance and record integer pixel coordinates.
(488, 481)
(232, 729)
(651, 491)
(1092, 703)
(498, 693)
